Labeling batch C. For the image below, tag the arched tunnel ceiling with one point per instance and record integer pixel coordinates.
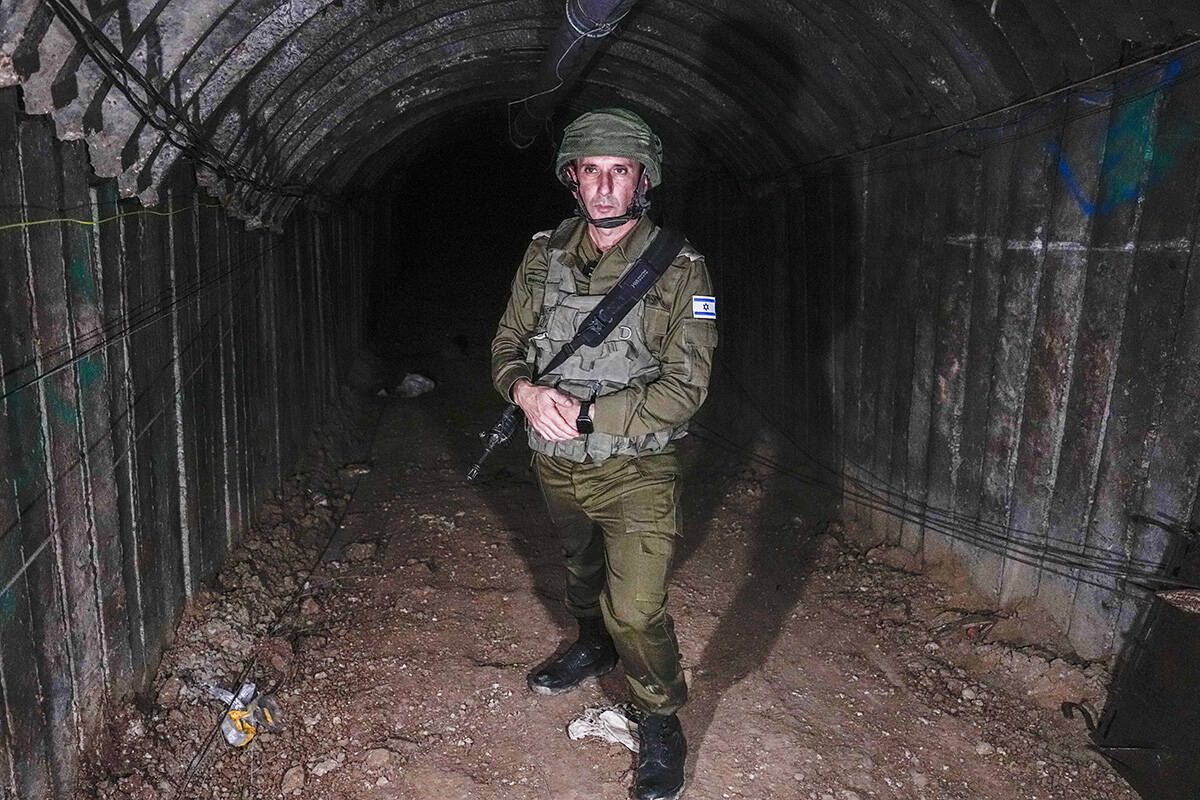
(328, 93)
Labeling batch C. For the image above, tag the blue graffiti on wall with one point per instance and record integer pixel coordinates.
(1131, 163)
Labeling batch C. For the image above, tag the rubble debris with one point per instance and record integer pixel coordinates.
(378, 758)
(309, 607)
(351, 472)
(293, 781)
(897, 558)
(971, 624)
(169, 691)
(360, 551)
(232, 624)
(610, 723)
(414, 385)
(328, 764)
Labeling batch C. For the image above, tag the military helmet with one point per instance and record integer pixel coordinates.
(610, 132)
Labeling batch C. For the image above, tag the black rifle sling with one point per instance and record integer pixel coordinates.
(632, 287)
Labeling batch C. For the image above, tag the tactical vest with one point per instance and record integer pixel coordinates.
(622, 359)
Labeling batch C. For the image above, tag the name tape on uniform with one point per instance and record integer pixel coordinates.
(704, 307)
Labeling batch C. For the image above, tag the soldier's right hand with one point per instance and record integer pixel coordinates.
(550, 412)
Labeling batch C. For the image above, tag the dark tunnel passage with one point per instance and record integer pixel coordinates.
(953, 243)
(462, 210)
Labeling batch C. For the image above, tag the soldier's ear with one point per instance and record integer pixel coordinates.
(570, 169)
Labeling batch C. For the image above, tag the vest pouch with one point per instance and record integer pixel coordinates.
(625, 358)
(563, 321)
(538, 351)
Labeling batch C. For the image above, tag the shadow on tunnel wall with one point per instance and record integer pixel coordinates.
(782, 266)
(782, 255)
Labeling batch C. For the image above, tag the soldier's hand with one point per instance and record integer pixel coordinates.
(551, 413)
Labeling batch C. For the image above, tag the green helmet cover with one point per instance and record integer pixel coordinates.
(611, 132)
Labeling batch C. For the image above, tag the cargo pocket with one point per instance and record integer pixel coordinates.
(700, 338)
(657, 467)
(650, 593)
(653, 506)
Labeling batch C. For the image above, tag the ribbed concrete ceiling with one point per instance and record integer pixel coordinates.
(328, 94)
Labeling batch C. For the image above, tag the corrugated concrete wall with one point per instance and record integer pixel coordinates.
(992, 335)
(160, 369)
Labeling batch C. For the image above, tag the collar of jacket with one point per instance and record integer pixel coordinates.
(570, 236)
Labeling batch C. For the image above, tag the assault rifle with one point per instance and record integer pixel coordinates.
(499, 433)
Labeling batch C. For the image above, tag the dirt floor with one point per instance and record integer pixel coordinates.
(816, 671)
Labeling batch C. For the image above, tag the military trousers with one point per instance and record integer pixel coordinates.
(618, 520)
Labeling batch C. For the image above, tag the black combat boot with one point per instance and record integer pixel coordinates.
(660, 758)
(593, 654)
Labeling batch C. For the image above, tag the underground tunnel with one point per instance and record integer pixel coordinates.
(938, 528)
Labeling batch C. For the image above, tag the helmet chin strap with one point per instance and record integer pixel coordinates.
(637, 208)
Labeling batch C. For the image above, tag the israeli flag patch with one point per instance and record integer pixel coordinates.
(704, 307)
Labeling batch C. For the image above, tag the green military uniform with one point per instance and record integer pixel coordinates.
(613, 494)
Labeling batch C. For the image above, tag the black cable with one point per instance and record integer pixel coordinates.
(193, 143)
(86, 449)
(955, 128)
(989, 544)
(878, 492)
(903, 159)
(131, 320)
(277, 623)
(131, 323)
(1000, 540)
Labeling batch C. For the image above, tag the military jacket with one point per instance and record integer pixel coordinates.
(665, 385)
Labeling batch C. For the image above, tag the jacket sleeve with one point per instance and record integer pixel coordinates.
(511, 342)
(686, 355)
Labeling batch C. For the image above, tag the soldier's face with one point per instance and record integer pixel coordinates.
(607, 183)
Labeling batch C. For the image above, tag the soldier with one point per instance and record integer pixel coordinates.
(603, 425)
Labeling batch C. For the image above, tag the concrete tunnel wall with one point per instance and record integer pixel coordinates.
(991, 337)
(161, 369)
(987, 335)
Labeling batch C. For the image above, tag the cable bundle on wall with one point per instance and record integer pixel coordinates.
(173, 123)
(1083, 563)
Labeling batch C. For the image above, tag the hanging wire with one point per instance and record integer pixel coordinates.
(192, 141)
(879, 490)
(87, 450)
(579, 24)
(971, 127)
(590, 28)
(132, 319)
(181, 291)
(277, 623)
(127, 324)
(97, 222)
(1033, 557)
